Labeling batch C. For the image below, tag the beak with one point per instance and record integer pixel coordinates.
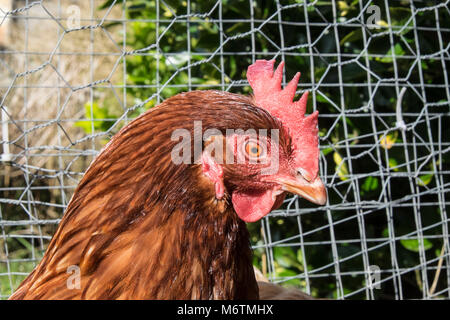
(313, 191)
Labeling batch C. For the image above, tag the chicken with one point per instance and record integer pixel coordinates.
(144, 225)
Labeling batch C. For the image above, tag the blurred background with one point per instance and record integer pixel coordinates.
(74, 72)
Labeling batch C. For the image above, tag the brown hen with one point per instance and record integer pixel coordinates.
(140, 226)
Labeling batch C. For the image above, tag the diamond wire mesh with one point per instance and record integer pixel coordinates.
(382, 91)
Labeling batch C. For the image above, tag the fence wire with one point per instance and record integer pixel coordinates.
(74, 72)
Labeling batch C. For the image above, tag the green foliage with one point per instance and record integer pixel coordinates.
(370, 184)
(99, 119)
(413, 244)
(20, 249)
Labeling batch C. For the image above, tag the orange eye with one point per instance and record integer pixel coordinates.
(253, 149)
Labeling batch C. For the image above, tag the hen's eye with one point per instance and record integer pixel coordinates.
(253, 149)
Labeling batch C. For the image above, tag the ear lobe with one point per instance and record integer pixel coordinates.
(214, 172)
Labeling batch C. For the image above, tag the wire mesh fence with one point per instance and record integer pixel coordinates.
(74, 72)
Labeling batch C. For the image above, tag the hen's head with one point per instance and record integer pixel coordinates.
(258, 167)
(247, 150)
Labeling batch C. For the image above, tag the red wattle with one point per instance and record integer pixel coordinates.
(251, 206)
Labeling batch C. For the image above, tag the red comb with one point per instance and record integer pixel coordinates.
(266, 86)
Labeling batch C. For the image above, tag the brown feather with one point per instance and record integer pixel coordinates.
(141, 227)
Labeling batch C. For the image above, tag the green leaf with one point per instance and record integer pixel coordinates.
(398, 51)
(370, 184)
(286, 257)
(425, 179)
(320, 98)
(300, 256)
(413, 244)
(393, 164)
(327, 151)
(341, 166)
